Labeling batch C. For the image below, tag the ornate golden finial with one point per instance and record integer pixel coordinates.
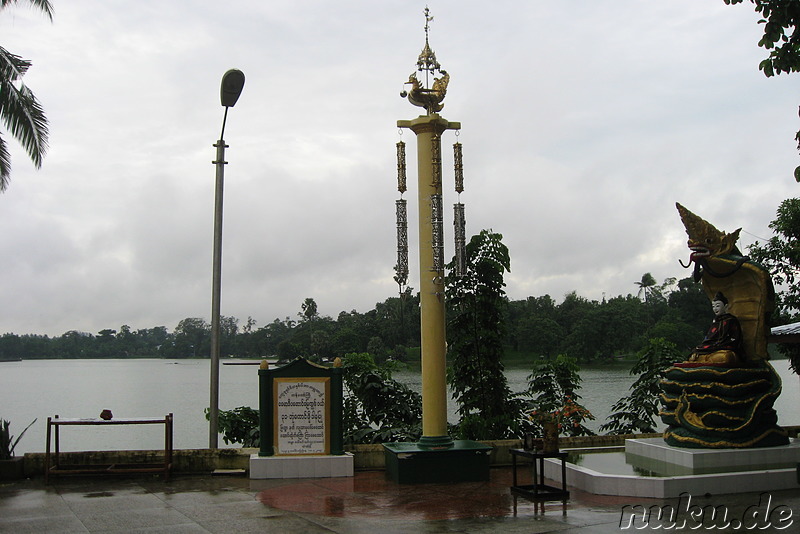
(428, 20)
(421, 94)
(427, 58)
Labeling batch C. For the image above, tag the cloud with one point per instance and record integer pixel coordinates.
(582, 124)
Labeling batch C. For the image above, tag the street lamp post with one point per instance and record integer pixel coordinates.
(230, 89)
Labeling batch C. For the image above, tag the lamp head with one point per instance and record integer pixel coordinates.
(231, 87)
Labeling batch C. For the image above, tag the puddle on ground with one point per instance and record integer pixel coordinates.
(99, 494)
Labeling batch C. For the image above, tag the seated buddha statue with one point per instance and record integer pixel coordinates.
(723, 342)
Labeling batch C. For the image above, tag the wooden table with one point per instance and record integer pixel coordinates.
(538, 491)
(54, 425)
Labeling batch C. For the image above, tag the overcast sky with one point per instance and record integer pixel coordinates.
(583, 122)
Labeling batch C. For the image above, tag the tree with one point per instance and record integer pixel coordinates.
(672, 329)
(572, 310)
(105, 343)
(645, 285)
(608, 329)
(287, 351)
(691, 306)
(540, 335)
(377, 408)
(308, 310)
(20, 111)
(303, 335)
(152, 341)
(781, 20)
(127, 341)
(192, 338)
(266, 339)
(781, 25)
(392, 318)
(377, 349)
(475, 335)
(781, 256)
(554, 387)
(75, 344)
(248, 326)
(635, 413)
(228, 330)
(533, 326)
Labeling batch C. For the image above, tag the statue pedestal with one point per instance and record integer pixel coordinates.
(305, 466)
(653, 454)
(412, 463)
(693, 471)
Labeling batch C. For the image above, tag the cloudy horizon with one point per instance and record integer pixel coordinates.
(582, 124)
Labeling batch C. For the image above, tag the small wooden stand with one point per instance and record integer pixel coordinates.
(538, 491)
(58, 469)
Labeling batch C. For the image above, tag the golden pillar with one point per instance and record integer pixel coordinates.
(435, 457)
(428, 129)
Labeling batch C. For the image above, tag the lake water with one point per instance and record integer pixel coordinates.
(36, 389)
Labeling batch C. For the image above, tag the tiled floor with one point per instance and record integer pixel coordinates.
(366, 503)
(370, 495)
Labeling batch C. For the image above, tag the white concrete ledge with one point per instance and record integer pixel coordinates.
(704, 461)
(305, 466)
(738, 471)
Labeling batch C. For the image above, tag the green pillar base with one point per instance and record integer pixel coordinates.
(418, 463)
(435, 442)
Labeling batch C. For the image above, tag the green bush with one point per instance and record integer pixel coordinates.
(554, 386)
(636, 412)
(376, 408)
(239, 425)
(7, 441)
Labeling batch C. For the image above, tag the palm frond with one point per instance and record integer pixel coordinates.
(5, 165)
(20, 111)
(12, 67)
(44, 5)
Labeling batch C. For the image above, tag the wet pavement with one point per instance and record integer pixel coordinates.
(366, 503)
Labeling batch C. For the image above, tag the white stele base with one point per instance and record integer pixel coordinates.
(305, 466)
(738, 471)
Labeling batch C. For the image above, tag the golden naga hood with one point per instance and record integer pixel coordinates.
(704, 239)
(721, 267)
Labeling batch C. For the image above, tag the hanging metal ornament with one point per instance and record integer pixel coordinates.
(460, 227)
(401, 269)
(401, 167)
(459, 220)
(436, 160)
(458, 163)
(437, 233)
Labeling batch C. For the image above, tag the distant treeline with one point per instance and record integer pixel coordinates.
(584, 329)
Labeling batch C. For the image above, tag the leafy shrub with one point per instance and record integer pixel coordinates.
(635, 413)
(376, 407)
(7, 441)
(239, 425)
(554, 385)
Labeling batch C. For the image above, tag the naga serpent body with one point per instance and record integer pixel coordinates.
(725, 406)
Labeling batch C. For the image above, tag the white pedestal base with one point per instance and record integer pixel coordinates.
(654, 454)
(733, 471)
(306, 466)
